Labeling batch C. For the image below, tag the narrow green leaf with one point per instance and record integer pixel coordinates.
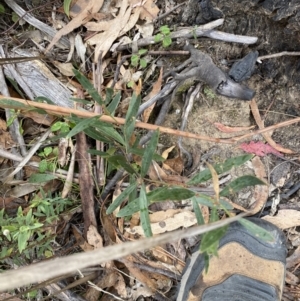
(93, 133)
(2, 9)
(67, 7)
(131, 117)
(149, 153)
(205, 175)
(43, 99)
(256, 230)
(120, 161)
(133, 195)
(28, 217)
(40, 178)
(144, 213)
(170, 193)
(111, 108)
(82, 125)
(80, 100)
(159, 194)
(198, 213)
(210, 202)
(240, 183)
(210, 240)
(123, 196)
(89, 87)
(214, 216)
(6, 102)
(109, 131)
(109, 92)
(98, 153)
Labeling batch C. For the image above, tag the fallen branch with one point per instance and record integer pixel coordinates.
(20, 104)
(274, 55)
(205, 30)
(23, 105)
(52, 268)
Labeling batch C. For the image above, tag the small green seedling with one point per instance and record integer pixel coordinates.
(164, 36)
(136, 59)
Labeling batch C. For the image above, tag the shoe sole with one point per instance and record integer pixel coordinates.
(246, 269)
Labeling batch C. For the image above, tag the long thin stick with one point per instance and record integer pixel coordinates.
(61, 111)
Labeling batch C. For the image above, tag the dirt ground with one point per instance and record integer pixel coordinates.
(275, 81)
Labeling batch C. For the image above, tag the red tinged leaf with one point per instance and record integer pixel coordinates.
(259, 148)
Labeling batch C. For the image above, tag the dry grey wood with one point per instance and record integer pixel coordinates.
(14, 129)
(60, 266)
(206, 71)
(51, 32)
(167, 89)
(201, 31)
(39, 79)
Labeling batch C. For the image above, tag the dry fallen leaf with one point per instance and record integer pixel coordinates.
(156, 87)
(80, 240)
(90, 7)
(94, 238)
(261, 192)
(175, 164)
(284, 219)
(183, 219)
(113, 29)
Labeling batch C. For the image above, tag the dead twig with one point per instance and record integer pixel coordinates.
(24, 105)
(274, 55)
